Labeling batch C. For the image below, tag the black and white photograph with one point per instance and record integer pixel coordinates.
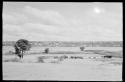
(62, 41)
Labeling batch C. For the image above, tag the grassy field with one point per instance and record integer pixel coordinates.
(64, 63)
(113, 51)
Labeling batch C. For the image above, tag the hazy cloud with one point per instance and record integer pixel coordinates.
(14, 18)
(46, 16)
(34, 23)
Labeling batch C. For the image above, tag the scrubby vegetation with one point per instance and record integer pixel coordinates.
(11, 60)
(71, 44)
(82, 48)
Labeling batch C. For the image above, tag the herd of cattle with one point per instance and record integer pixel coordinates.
(77, 57)
(46, 51)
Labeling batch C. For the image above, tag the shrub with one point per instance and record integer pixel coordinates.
(40, 59)
(82, 48)
(47, 50)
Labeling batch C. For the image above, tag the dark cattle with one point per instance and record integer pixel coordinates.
(107, 56)
(65, 57)
(72, 57)
(79, 57)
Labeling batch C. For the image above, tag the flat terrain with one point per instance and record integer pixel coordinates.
(54, 66)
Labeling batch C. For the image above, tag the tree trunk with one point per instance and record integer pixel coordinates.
(22, 53)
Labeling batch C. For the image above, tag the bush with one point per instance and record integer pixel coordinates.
(82, 48)
(47, 50)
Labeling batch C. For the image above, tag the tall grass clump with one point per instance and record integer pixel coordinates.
(11, 60)
(40, 59)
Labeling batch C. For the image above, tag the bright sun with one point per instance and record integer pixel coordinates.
(97, 10)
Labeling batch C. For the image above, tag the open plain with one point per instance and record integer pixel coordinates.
(63, 63)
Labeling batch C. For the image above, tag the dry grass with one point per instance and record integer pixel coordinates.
(118, 54)
(11, 60)
(58, 56)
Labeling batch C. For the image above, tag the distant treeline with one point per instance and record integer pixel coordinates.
(71, 44)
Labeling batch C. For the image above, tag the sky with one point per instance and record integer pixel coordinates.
(62, 21)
